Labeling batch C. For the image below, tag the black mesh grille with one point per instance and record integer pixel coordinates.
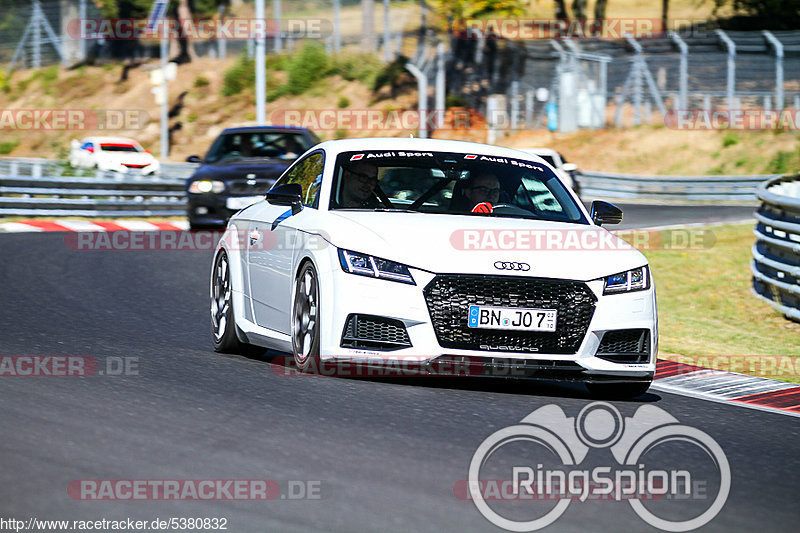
(368, 331)
(242, 188)
(625, 346)
(449, 297)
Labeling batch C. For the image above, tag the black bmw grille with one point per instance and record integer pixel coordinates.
(368, 331)
(243, 188)
(625, 346)
(449, 297)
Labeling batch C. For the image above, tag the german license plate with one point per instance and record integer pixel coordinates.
(240, 202)
(511, 318)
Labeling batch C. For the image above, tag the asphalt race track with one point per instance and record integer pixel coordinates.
(382, 455)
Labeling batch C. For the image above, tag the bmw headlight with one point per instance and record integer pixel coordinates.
(374, 267)
(637, 279)
(205, 186)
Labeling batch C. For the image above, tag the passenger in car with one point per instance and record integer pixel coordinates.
(483, 187)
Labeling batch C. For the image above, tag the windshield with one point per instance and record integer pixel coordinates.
(272, 144)
(452, 183)
(118, 147)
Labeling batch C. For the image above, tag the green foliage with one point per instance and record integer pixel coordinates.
(278, 61)
(454, 100)
(308, 65)
(5, 81)
(343, 102)
(730, 139)
(6, 147)
(201, 81)
(456, 11)
(240, 75)
(362, 67)
(780, 163)
(47, 75)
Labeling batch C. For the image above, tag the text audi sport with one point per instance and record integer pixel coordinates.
(439, 251)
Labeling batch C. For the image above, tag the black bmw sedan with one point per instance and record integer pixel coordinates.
(239, 168)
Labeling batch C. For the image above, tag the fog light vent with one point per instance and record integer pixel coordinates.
(625, 346)
(374, 332)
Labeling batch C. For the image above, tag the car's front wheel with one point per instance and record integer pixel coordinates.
(618, 391)
(222, 320)
(305, 319)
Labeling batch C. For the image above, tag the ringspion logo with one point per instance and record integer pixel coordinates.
(543, 459)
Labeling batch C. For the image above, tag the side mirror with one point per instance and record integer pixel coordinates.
(605, 213)
(570, 167)
(289, 194)
(194, 159)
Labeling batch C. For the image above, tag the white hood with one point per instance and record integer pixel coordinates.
(473, 244)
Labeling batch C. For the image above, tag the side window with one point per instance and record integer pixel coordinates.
(308, 173)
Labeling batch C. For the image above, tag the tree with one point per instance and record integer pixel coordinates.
(182, 9)
(766, 14)
(456, 12)
(579, 9)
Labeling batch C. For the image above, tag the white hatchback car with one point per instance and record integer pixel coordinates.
(566, 171)
(443, 252)
(118, 154)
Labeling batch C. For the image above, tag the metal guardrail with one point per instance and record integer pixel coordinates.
(32, 166)
(776, 253)
(38, 187)
(689, 188)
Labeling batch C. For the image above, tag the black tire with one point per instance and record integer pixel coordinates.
(222, 321)
(618, 391)
(305, 319)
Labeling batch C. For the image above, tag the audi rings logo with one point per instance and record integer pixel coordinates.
(511, 265)
(548, 437)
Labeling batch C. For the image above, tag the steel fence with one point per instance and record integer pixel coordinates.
(776, 252)
(571, 84)
(42, 187)
(690, 188)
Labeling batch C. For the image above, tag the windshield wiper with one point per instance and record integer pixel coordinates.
(395, 209)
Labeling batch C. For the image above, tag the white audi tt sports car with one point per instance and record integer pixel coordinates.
(444, 252)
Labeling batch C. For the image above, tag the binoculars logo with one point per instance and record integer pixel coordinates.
(569, 440)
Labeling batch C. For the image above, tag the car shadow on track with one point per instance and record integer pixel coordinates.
(281, 363)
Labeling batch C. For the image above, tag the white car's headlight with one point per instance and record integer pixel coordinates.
(374, 267)
(637, 279)
(204, 186)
